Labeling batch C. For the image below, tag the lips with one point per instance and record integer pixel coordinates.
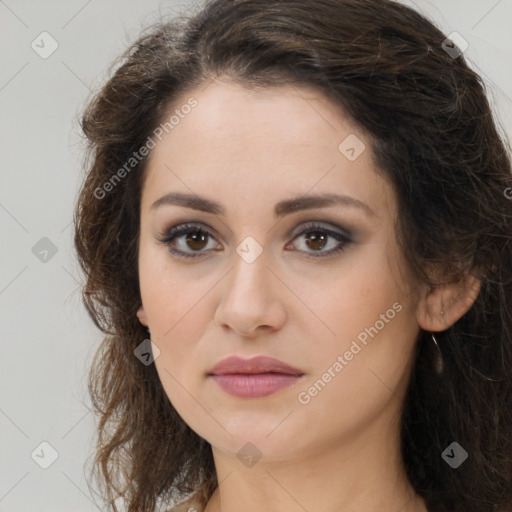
(260, 364)
(254, 378)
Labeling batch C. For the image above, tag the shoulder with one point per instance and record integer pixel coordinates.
(189, 505)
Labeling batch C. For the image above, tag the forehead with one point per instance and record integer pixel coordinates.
(279, 141)
(276, 115)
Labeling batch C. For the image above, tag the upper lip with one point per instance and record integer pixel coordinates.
(259, 364)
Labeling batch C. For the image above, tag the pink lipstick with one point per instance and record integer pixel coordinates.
(254, 378)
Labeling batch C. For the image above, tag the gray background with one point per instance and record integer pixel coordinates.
(47, 337)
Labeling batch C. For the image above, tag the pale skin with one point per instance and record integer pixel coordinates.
(248, 151)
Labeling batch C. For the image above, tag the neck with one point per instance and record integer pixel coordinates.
(364, 473)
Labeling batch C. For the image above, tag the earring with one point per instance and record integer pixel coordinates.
(438, 363)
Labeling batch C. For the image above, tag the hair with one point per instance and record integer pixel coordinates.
(432, 136)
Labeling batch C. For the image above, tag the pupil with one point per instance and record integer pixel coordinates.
(194, 237)
(315, 239)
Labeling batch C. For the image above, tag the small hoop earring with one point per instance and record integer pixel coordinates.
(438, 363)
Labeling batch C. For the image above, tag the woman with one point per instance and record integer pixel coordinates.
(296, 233)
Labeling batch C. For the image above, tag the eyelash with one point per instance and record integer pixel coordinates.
(182, 229)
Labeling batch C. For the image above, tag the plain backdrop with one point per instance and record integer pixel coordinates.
(47, 337)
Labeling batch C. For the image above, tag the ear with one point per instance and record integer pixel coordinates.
(441, 305)
(141, 315)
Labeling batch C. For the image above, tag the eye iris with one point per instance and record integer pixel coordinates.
(197, 237)
(316, 237)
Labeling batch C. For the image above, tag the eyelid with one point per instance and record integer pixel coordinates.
(327, 225)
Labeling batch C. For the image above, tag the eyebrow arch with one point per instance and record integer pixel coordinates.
(281, 209)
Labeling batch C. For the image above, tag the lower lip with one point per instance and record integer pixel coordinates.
(254, 385)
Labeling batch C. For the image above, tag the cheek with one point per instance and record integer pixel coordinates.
(183, 360)
(169, 293)
(179, 323)
(175, 308)
(363, 373)
(352, 296)
(178, 319)
(373, 317)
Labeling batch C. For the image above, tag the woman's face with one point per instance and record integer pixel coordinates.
(276, 270)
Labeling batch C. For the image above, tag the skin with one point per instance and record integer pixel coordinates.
(248, 151)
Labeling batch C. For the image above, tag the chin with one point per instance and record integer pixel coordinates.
(257, 434)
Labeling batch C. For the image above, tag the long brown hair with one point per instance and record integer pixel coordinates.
(432, 135)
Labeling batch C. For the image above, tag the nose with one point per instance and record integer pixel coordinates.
(251, 298)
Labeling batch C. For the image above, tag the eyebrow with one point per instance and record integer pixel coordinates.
(281, 209)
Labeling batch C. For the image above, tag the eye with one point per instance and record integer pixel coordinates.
(317, 238)
(195, 238)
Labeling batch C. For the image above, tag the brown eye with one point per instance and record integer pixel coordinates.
(316, 240)
(197, 240)
(187, 240)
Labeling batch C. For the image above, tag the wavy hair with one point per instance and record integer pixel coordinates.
(432, 136)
